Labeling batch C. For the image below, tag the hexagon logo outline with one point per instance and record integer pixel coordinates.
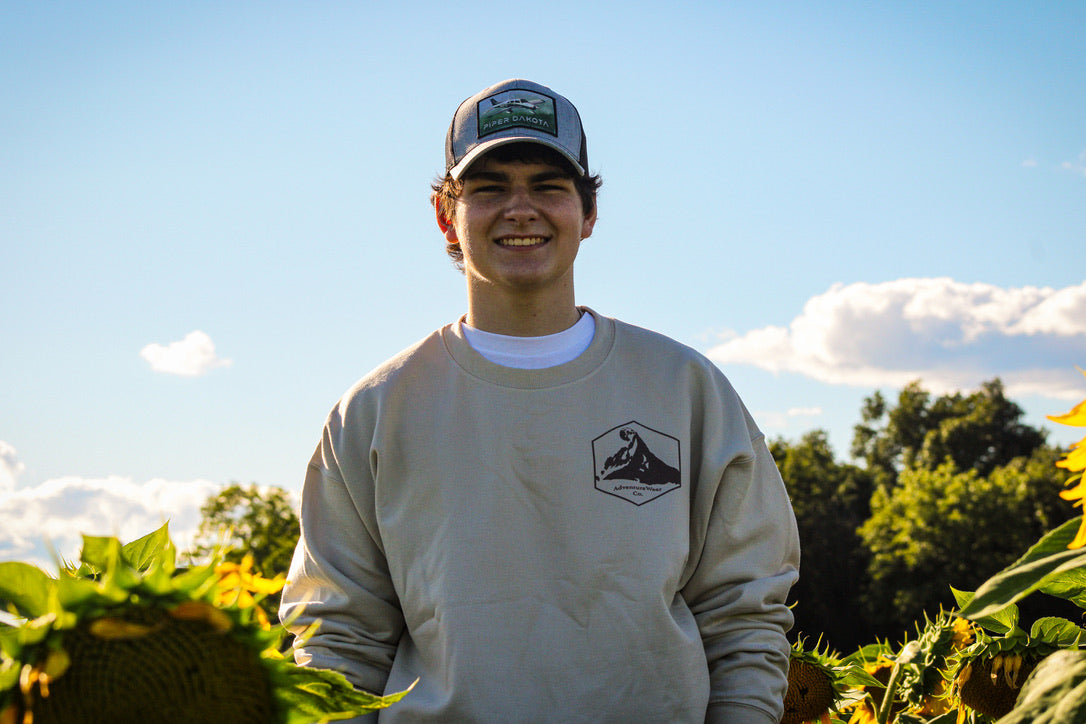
(636, 463)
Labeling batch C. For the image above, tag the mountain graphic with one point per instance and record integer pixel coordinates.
(634, 461)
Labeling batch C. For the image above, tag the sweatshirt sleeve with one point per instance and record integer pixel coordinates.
(748, 559)
(339, 579)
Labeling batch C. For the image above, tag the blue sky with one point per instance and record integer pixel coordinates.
(214, 217)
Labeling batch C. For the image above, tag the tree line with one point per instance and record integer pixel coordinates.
(941, 491)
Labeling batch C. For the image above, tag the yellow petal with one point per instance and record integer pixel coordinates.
(1076, 417)
(1076, 458)
(200, 611)
(1076, 493)
(110, 629)
(259, 584)
(230, 580)
(226, 568)
(1080, 539)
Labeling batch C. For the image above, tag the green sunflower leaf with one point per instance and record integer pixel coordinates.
(321, 695)
(77, 594)
(99, 554)
(1049, 565)
(155, 547)
(25, 588)
(999, 620)
(1058, 632)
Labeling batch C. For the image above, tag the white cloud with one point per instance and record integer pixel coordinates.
(775, 421)
(949, 334)
(190, 357)
(55, 514)
(1078, 166)
(10, 467)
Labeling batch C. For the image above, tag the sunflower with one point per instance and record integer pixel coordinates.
(819, 683)
(989, 684)
(126, 637)
(924, 683)
(877, 663)
(987, 675)
(1075, 461)
(238, 583)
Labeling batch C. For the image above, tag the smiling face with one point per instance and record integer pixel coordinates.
(519, 225)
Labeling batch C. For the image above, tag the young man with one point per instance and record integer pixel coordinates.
(540, 513)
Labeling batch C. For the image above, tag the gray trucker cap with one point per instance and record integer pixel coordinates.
(514, 110)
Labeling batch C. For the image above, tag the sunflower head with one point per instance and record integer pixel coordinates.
(126, 637)
(989, 683)
(819, 683)
(923, 684)
(987, 675)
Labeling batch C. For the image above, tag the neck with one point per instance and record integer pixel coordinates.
(522, 317)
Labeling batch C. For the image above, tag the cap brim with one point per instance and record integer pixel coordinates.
(473, 155)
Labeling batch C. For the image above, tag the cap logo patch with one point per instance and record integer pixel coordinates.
(517, 109)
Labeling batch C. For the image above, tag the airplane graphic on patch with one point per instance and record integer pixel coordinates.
(514, 104)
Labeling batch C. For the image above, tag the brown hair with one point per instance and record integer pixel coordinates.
(445, 191)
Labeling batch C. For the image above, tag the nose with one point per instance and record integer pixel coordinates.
(519, 206)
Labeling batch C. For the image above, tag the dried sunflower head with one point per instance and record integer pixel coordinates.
(819, 683)
(987, 675)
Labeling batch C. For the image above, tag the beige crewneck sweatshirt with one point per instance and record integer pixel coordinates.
(604, 540)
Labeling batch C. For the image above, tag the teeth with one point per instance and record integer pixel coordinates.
(522, 241)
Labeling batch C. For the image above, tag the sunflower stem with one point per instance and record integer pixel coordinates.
(907, 655)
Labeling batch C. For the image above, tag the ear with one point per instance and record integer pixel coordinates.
(588, 224)
(446, 226)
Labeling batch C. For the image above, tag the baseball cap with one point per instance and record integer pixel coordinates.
(514, 110)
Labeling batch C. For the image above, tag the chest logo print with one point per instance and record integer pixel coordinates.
(636, 463)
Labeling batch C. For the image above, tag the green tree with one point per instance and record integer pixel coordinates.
(982, 430)
(831, 500)
(250, 519)
(944, 526)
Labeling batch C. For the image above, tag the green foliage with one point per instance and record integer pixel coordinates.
(250, 519)
(980, 431)
(1048, 566)
(945, 489)
(942, 525)
(830, 501)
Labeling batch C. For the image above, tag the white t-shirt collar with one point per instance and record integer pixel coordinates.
(533, 353)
